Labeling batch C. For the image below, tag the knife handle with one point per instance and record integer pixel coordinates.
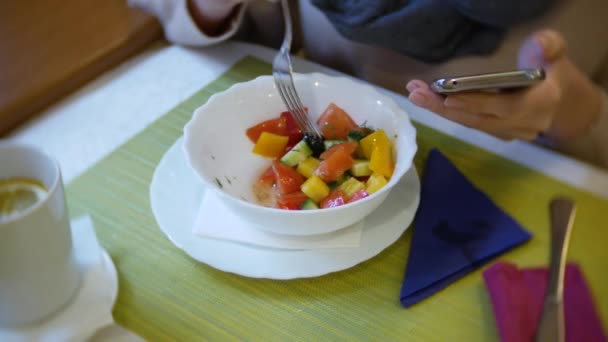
(551, 325)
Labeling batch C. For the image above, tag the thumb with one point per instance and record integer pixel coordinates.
(541, 48)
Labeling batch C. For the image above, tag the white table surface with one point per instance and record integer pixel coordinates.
(94, 121)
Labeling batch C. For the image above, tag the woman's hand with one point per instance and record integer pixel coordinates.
(563, 107)
(209, 15)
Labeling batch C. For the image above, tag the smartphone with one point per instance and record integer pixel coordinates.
(489, 82)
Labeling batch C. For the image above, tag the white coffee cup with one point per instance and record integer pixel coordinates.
(38, 271)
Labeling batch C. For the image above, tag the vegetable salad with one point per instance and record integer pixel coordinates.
(352, 162)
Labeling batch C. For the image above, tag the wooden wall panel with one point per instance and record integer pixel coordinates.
(49, 48)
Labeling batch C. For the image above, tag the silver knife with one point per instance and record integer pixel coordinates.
(551, 324)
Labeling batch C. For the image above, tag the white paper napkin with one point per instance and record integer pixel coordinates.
(91, 307)
(216, 221)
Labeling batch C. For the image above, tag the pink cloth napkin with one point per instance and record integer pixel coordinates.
(517, 297)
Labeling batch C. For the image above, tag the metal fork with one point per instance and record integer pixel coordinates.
(282, 72)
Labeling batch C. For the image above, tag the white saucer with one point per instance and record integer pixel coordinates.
(176, 194)
(91, 307)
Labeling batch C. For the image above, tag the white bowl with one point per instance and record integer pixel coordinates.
(218, 150)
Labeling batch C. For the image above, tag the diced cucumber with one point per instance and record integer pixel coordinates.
(330, 143)
(360, 168)
(309, 204)
(297, 154)
(308, 166)
(351, 185)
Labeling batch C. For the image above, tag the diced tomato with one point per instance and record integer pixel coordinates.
(358, 195)
(276, 126)
(335, 198)
(347, 147)
(267, 176)
(288, 180)
(335, 123)
(292, 130)
(335, 165)
(292, 201)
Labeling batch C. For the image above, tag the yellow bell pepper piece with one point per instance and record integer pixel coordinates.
(374, 183)
(308, 166)
(377, 147)
(315, 189)
(270, 145)
(368, 143)
(381, 160)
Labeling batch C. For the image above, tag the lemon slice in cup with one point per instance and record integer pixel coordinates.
(18, 195)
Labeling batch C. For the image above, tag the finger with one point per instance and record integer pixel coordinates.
(553, 44)
(505, 129)
(486, 123)
(477, 121)
(532, 104)
(541, 48)
(415, 84)
(435, 103)
(522, 134)
(499, 128)
(426, 98)
(502, 105)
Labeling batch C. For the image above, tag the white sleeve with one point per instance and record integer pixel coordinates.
(179, 26)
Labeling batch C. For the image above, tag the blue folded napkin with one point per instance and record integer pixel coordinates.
(457, 229)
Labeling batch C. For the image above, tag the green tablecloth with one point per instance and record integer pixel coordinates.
(165, 295)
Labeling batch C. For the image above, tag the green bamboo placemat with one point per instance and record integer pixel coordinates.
(165, 295)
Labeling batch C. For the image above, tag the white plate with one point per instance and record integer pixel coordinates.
(175, 197)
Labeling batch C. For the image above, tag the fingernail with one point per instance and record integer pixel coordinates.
(550, 43)
(548, 38)
(545, 42)
(453, 102)
(542, 39)
(412, 85)
(418, 99)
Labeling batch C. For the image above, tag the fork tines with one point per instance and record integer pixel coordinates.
(284, 82)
